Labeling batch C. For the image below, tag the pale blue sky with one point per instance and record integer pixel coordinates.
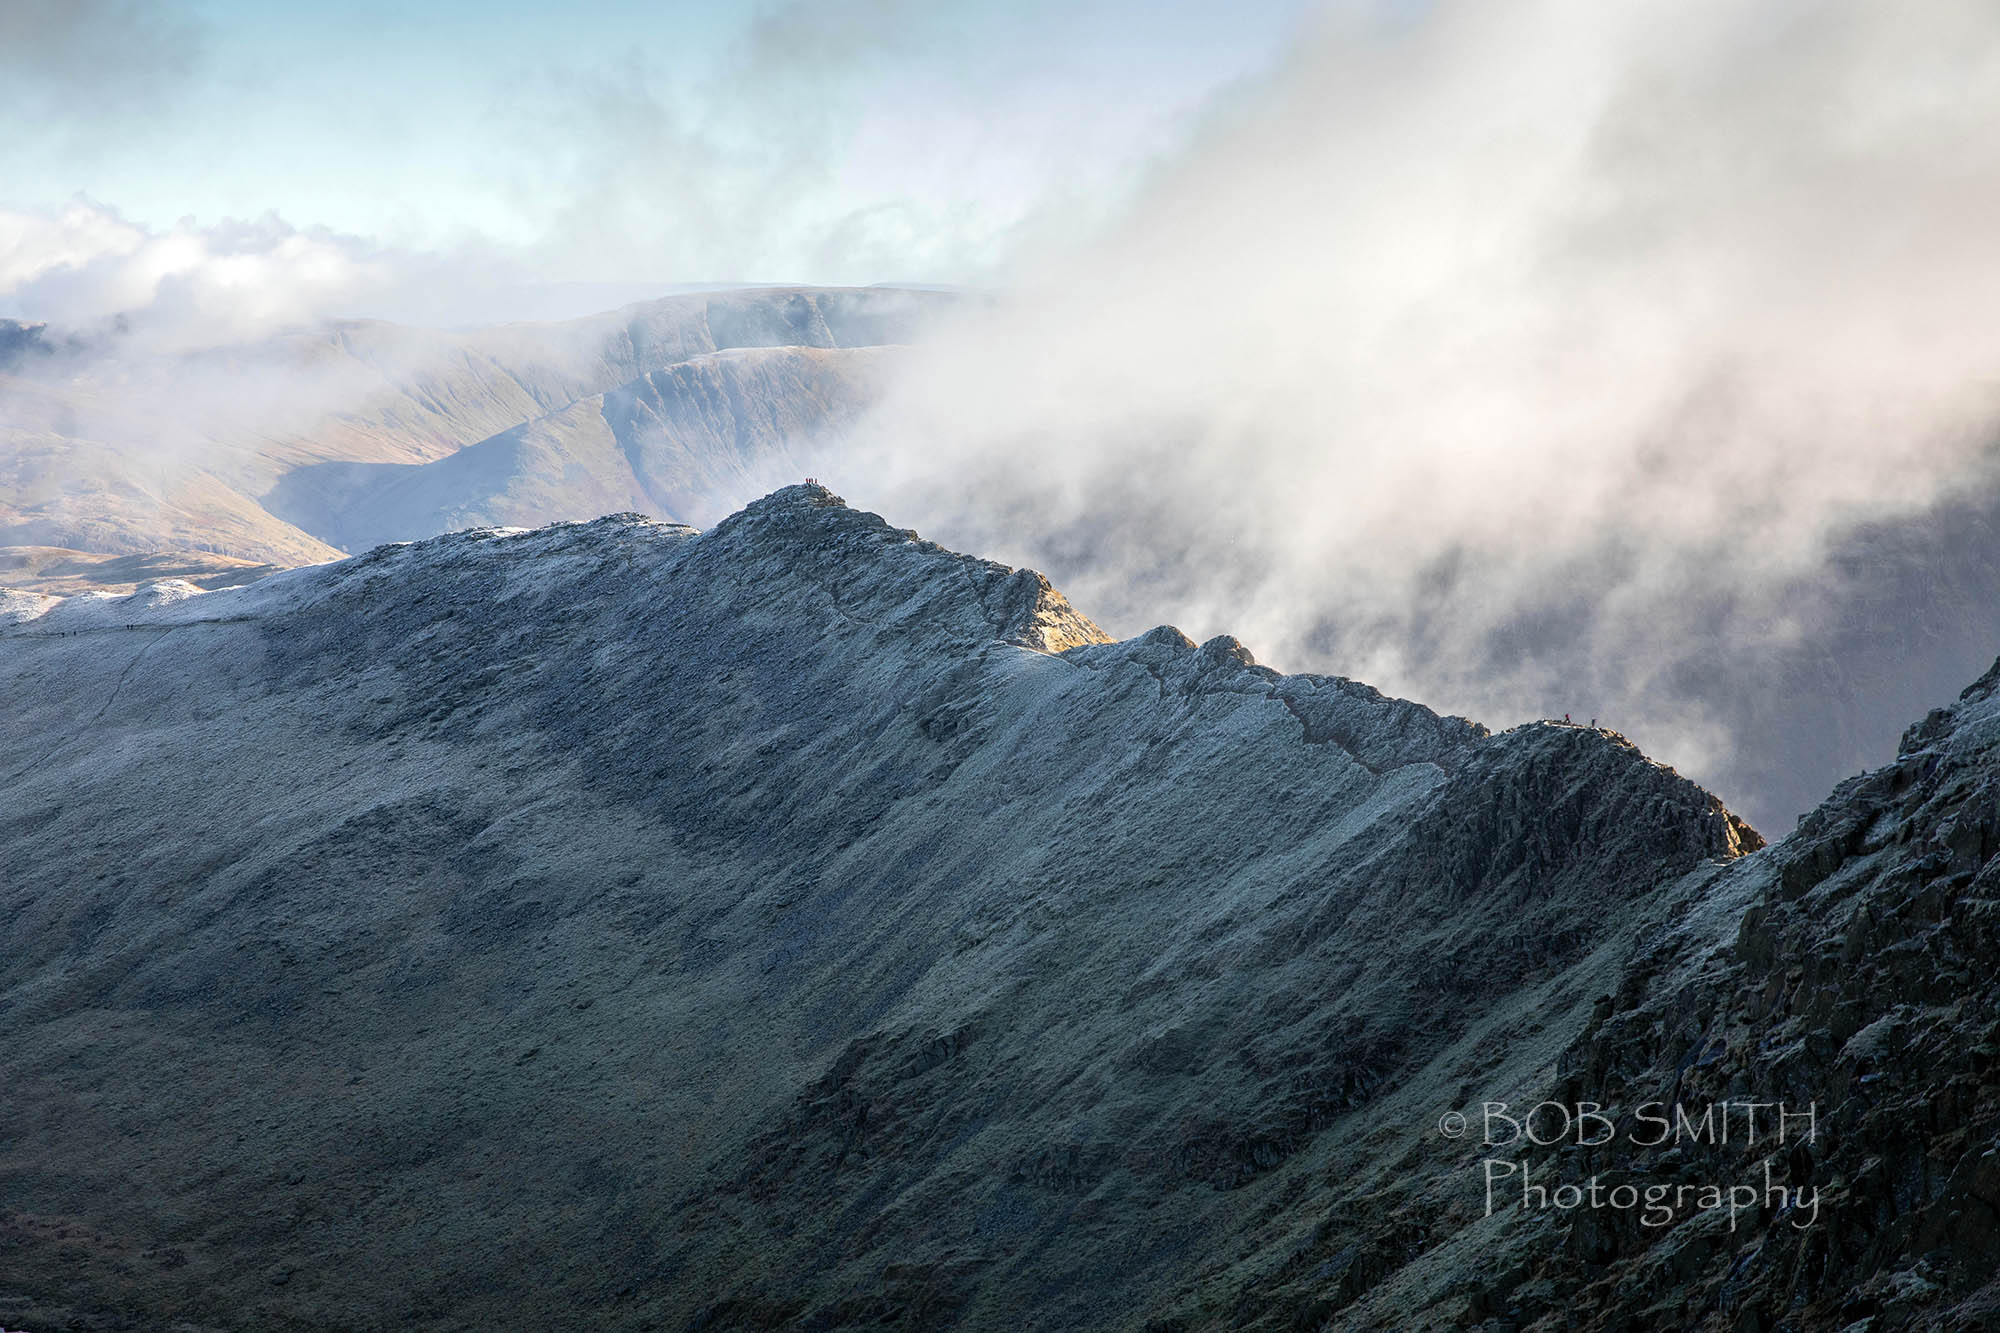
(619, 141)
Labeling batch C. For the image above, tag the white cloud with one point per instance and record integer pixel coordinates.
(86, 269)
(1508, 359)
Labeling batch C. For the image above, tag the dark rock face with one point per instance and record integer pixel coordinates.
(1815, 1025)
(798, 925)
(1860, 984)
(20, 339)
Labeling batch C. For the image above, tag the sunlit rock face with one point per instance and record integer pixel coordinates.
(796, 924)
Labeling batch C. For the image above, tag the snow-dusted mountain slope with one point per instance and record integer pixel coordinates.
(793, 924)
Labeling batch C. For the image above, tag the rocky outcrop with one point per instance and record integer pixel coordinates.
(1860, 987)
(1811, 1032)
(20, 340)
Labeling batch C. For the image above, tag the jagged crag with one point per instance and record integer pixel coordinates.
(796, 925)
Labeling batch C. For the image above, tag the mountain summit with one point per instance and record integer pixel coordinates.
(797, 924)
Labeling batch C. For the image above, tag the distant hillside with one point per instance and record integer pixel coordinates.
(52, 571)
(104, 454)
(686, 441)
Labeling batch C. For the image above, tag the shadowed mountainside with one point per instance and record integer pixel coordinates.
(797, 925)
(789, 925)
(1846, 976)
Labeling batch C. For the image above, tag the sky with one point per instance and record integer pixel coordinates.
(611, 144)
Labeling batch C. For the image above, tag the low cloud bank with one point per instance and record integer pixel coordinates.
(88, 271)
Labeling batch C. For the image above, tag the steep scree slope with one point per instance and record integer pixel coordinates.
(793, 924)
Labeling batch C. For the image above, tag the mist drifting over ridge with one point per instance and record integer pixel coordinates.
(1505, 358)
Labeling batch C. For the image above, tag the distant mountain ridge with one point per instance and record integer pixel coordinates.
(114, 457)
(676, 441)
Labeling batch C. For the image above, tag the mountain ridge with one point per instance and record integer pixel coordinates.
(794, 898)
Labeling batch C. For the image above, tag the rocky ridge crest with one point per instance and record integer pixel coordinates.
(795, 924)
